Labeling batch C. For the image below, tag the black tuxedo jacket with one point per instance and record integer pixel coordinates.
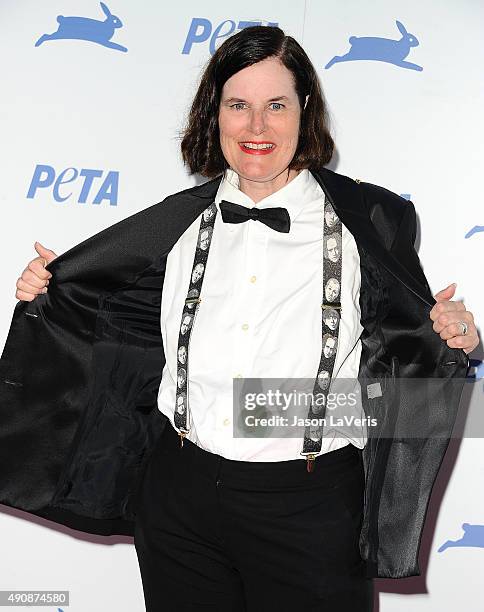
(82, 364)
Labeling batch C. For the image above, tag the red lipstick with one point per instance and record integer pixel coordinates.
(265, 151)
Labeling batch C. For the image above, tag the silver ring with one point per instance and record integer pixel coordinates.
(465, 329)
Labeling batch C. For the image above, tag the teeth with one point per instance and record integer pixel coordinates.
(251, 145)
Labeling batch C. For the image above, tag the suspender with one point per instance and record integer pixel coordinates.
(330, 314)
(330, 311)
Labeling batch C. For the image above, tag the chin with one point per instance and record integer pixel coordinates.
(257, 172)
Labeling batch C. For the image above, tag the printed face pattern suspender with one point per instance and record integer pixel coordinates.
(190, 309)
(331, 314)
(330, 309)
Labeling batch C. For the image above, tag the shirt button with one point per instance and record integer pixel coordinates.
(245, 326)
(226, 421)
(253, 279)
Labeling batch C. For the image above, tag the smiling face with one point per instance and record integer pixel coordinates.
(259, 122)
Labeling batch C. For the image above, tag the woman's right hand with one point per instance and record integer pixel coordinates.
(35, 277)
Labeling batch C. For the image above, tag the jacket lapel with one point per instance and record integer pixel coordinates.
(116, 255)
(346, 196)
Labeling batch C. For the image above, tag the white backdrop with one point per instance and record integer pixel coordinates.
(112, 118)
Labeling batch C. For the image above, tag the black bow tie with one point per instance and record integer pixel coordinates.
(277, 218)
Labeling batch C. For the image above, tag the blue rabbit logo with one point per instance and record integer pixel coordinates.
(380, 49)
(474, 230)
(473, 536)
(83, 28)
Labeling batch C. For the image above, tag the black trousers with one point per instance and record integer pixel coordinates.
(218, 535)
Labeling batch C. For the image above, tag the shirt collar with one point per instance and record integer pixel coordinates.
(293, 196)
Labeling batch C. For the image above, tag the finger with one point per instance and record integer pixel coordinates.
(28, 288)
(446, 293)
(29, 277)
(451, 317)
(443, 307)
(37, 267)
(467, 343)
(454, 329)
(44, 252)
(25, 297)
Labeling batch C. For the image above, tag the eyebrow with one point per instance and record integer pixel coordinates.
(275, 99)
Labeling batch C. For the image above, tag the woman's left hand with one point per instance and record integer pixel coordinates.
(447, 317)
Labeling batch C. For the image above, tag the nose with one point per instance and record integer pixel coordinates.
(257, 121)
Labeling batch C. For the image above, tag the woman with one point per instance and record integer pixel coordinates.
(254, 523)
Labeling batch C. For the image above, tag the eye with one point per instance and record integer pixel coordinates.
(237, 105)
(278, 105)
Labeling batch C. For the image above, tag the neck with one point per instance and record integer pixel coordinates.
(258, 190)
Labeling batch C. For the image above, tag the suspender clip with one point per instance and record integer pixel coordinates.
(182, 435)
(310, 462)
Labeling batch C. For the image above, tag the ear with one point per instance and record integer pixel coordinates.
(401, 27)
(105, 9)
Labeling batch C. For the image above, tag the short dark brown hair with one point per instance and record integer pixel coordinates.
(200, 145)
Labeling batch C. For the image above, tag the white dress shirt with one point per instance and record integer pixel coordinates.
(259, 316)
